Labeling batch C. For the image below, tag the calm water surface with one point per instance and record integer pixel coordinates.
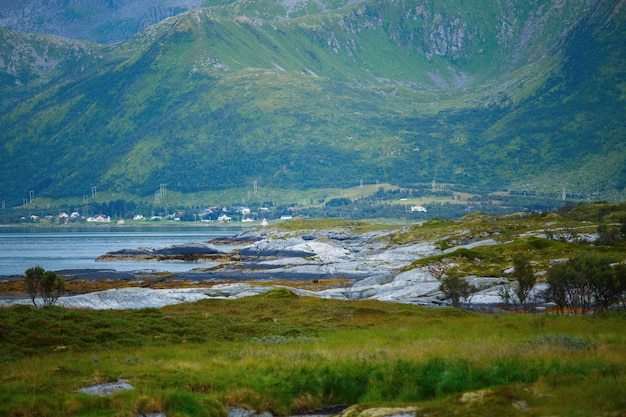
(76, 248)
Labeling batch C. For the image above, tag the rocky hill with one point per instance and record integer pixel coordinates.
(102, 21)
(484, 93)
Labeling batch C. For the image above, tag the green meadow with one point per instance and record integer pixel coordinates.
(288, 355)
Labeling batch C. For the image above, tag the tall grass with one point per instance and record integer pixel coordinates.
(296, 354)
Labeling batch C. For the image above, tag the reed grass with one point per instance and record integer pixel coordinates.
(287, 354)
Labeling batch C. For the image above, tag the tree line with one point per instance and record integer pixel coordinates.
(586, 284)
(581, 285)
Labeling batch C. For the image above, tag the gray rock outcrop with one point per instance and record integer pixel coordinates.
(368, 265)
(193, 251)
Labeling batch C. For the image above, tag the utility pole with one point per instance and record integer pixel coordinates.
(255, 186)
(93, 191)
(31, 195)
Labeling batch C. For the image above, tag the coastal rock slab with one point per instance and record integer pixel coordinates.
(276, 248)
(127, 298)
(107, 389)
(192, 251)
(361, 411)
(242, 412)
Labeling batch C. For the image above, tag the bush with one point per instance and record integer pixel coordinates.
(611, 235)
(608, 236)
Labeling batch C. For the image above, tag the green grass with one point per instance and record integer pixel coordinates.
(289, 354)
(329, 223)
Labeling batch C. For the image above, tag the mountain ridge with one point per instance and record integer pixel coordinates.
(375, 91)
(101, 21)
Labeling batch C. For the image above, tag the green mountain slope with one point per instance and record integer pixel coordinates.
(478, 93)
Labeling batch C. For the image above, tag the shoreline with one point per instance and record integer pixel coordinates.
(95, 225)
(84, 281)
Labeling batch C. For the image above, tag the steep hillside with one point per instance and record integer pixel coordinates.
(104, 21)
(572, 131)
(484, 93)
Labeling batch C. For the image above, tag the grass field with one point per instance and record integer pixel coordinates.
(287, 354)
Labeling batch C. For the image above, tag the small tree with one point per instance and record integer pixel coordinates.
(525, 277)
(33, 276)
(558, 281)
(504, 292)
(51, 287)
(456, 289)
(46, 284)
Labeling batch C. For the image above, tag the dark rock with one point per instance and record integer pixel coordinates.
(185, 252)
(188, 249)
(271, 252)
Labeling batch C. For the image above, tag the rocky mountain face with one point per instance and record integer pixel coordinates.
(487, 94)
(102, 21)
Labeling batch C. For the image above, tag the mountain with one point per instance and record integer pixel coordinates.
(484, 94)
(103, 21)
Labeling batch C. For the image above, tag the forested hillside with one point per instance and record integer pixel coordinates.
(482, 93)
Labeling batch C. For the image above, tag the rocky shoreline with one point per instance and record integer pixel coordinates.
(326, 263)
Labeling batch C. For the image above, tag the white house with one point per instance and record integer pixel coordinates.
(421, 209)
(99, 218)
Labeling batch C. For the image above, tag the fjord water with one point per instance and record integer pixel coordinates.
(77, 248)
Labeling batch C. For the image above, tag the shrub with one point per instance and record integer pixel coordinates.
(608, 236)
